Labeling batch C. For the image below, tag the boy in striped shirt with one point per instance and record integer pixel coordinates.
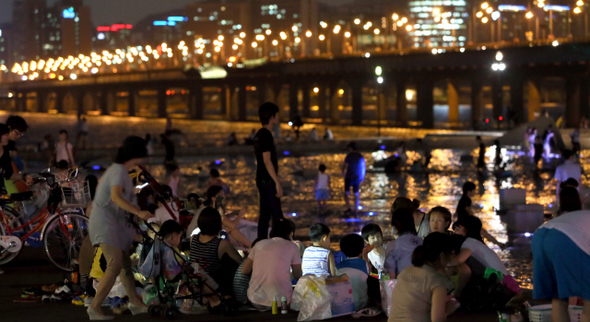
(317, 259)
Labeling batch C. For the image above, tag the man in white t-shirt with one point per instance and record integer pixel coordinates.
(270, 262)
(569, 169)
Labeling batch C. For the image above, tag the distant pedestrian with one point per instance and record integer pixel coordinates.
(47, 146)
(64, 149)
(328, 135)
(149, 144)
(82, 133)
(232, 139)
(498, 158)
(575, 136)
(481, 159)
(538, 149)
(169, 158)
(322, 188)
(313, 135)
(267, 168)
(353, 170)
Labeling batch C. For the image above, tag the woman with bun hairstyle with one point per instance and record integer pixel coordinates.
(110, 228)
(421, 220)
(421, 291)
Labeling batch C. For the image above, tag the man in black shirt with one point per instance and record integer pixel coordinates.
(169, 148)
(267, 169)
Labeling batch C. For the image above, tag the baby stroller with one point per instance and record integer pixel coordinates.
(175, 280)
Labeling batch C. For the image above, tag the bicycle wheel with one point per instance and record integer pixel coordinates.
(12, 221)
(63, 242)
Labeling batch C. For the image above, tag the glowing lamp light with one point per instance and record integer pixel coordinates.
(371, 213)
(286, 153)
(409, 28)
(395, 16)
(316, 90)
(294, 214)
(527, 234)
(577, 10)
(496, 15)
(580, 3)
(73, 76)
(555, 43)
(347, 34)
(290, 123)
(308, 34)
(322, 37)
(378, 71)
(360, 208)
(484, 20)
(377, 31)
(529, 15)
(275, 42)
(382, 147)
(95, 167)
(218, 162)
(489, 10)
(487, 120)
(500, 118)
(268, 32)
(357, 21)
(484, 5)
(380, 80)
(499, 56)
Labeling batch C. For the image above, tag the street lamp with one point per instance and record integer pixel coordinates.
(379, 73)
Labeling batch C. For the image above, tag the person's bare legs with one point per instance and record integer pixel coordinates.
(128, 281)
(114, 259)
(357, 201)
(560, 310)
(464, 277)
(347, 199)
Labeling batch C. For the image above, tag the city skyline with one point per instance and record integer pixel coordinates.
(103, 14)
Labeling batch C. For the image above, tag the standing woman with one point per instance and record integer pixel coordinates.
(64, 149)
(110, 228)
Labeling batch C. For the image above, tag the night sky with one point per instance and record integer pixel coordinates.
(105, 12)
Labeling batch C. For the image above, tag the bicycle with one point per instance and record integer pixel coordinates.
(63, 227)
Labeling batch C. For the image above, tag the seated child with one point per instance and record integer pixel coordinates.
(473, 245)
(355, 268)
(216, 256)
(172, 234)
(373, 236)
(421, 291)
(165, 206)
(399, 251)
(317, 259)
(440, 219)
(270, 262)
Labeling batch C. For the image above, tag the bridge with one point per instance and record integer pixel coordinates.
(452, 87)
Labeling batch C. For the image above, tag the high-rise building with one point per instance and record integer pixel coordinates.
(438, 23)
(64, 29)
(6, 45)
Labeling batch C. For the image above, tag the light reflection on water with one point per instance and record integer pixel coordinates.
(442, 187)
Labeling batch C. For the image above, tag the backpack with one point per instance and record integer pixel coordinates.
(150, 260)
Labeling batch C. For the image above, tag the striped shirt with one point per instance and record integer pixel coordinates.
(207, 254)
(315, 261)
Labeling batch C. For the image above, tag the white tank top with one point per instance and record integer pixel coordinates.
(323, 181)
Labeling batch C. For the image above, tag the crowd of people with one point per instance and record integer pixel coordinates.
(438, 257)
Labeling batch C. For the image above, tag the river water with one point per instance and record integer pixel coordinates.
(449, 169)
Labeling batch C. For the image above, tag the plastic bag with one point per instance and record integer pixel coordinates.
(386, 291)
(312, 299)
(150, 261)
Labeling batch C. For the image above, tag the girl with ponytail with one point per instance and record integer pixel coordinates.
(421, 291)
